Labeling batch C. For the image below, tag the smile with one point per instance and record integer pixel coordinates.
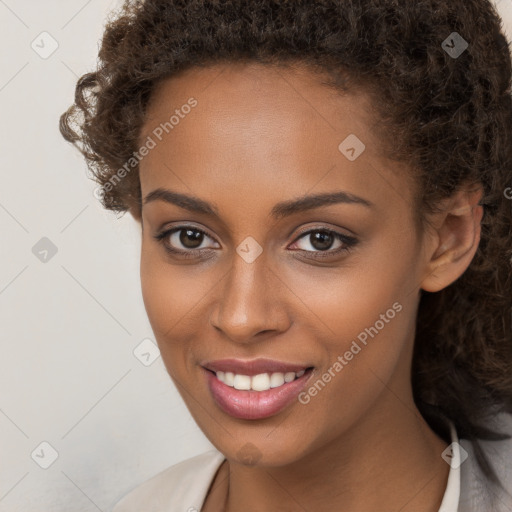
(255, 389)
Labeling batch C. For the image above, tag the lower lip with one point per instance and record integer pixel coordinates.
(255, 405)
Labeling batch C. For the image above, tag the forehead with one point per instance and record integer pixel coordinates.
(257, 93)
(254, 127)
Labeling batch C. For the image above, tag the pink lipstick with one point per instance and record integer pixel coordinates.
(255, 389)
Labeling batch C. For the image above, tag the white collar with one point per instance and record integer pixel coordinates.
(452, 455)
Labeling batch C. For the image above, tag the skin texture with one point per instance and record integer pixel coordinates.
(260, 135)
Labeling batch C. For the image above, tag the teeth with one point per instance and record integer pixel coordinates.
(229, 379)
(288, 377)
(242, 382)
(260, 382)
(276, 380)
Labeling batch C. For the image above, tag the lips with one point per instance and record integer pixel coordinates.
(241, 401)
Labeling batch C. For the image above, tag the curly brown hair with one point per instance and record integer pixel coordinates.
(449, 117)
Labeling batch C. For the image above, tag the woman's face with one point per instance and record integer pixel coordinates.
(325, 287)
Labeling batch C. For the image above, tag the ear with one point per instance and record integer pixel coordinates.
(454, 239)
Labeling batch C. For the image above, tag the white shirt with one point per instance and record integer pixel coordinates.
(183, 487)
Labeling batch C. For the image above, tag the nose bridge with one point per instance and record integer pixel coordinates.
(247, 304)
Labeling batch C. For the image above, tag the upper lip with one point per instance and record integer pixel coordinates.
(253, 366)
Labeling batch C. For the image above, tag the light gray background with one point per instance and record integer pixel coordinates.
(69, 376)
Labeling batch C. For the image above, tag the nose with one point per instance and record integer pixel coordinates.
(250, 303)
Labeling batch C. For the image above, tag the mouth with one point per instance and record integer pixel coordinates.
(255, 389)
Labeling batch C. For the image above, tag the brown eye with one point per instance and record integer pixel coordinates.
(321, 240)
(318, 240)
(185, 241)
(318, 243)
(191, 238)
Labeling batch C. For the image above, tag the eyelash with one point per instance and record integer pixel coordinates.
(348, 241)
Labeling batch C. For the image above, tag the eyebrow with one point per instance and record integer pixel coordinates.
(280, 210)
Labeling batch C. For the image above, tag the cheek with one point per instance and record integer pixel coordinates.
(173, 295)
(162, 292)
(156, 291)
(166, 307)
(365, 316)
(344, 302)
(357, 375)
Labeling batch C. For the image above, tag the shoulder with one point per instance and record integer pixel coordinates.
(182, 487)
(477, 493)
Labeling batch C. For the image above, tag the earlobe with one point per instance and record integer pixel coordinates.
(457, 240)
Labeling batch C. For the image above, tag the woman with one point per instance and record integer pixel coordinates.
(325, 263)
